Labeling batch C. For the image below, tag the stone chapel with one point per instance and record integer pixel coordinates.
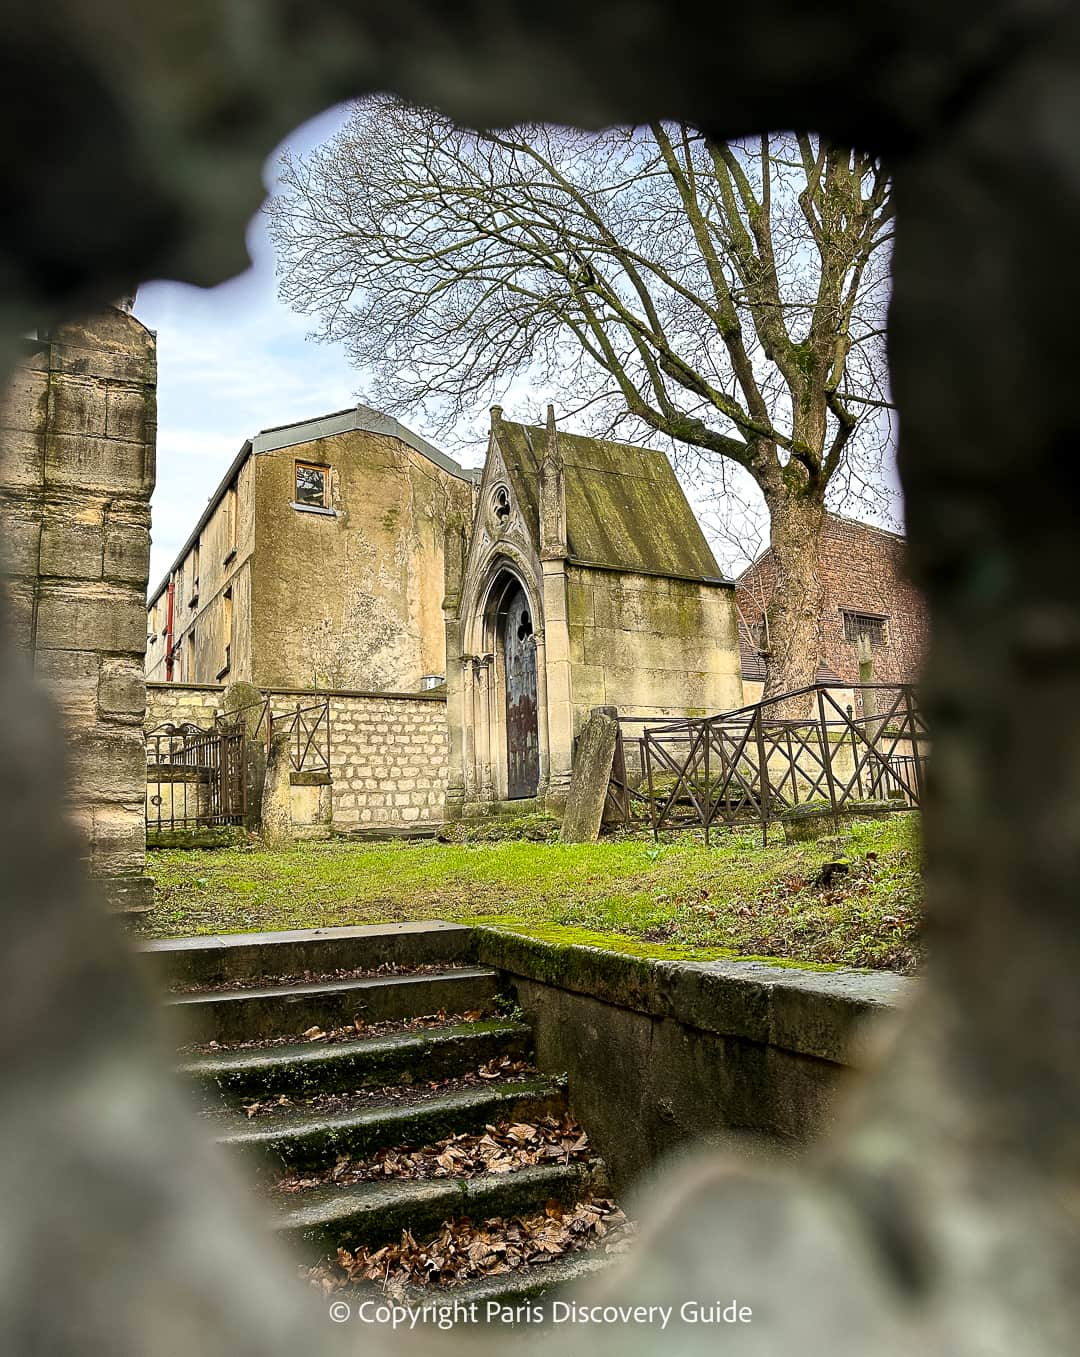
(584, 580)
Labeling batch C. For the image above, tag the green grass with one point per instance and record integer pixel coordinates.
(674, 899)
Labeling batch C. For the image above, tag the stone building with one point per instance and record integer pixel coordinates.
(77, 465)
(318, 562)
(583, 580)
(867, 592)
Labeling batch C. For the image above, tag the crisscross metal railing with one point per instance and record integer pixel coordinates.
(755, 763)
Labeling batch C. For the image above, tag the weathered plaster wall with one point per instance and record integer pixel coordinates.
(352, 599)
(218, 562)
(650, 645)
(388, 751)
(77, 467)
(733, 1053)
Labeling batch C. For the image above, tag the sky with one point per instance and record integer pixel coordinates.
(233, 360)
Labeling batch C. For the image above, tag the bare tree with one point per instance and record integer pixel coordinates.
(728, 297)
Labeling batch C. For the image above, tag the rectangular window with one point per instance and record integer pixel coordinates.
(226, 628)
(312, 485)
(194, 576)
(871, 625)
(231, 525)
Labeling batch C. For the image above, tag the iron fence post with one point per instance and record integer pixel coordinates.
(823, 735)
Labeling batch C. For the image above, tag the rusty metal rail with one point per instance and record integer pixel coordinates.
(755, 763)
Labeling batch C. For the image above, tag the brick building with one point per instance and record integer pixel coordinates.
(866, 591)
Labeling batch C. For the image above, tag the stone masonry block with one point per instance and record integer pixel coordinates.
(76, 406)
(85, 618)
(20, 613)
(129, 414)
(108, 766)
(26, 402)
(79, 461)
(127, 553)
(19, 540)
(72, 677)
(113, 365)
(121, 693)
(118, 846)
(22, 458)
(71, 549)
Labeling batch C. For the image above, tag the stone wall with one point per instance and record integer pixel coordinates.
(743, 1055)
(388, 751)
(77, 465)
(175, 703)
(388, 757)
(650, 645)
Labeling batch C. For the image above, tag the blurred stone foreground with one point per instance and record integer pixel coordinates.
(944, 1219)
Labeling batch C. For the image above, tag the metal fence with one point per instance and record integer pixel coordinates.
(195, 776)
(756, 763)
(308, 729)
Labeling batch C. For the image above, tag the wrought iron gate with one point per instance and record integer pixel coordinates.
(195, 777)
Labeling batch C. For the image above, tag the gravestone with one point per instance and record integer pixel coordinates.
(590, 778)
(277, 826)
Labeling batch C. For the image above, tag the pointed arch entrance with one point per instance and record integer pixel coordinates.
(516, 634)
(504, 688)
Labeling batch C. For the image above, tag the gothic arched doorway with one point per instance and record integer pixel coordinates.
(518, 653)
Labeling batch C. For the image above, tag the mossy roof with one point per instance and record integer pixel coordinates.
(625, 509)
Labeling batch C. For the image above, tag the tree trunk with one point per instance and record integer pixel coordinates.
(795, 608)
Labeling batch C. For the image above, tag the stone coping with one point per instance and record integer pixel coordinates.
(217, 941)
(423, 695)
(815, 1013)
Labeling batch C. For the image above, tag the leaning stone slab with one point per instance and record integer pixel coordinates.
(591, 777)
(277, 826)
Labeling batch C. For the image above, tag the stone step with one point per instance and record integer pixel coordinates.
(303, 1142)
(518, 1301)
(536, 1286)
(318, 1220)
(405, 1057)
(287, 1010)
(235, 956)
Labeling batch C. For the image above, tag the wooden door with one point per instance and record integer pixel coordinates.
(519, 658)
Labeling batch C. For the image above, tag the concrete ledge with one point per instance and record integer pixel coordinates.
(312, 778)
(814, 1013)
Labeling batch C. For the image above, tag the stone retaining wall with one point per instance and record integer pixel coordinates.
(661, 1055)
(388, 751)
